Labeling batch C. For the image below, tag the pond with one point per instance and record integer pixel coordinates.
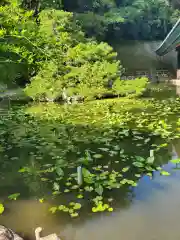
(125, 147)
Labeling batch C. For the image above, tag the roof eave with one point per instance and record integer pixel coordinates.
(171, 40)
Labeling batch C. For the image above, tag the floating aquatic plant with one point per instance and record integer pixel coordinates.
(115, 148)
(1, 208)
(14, 196)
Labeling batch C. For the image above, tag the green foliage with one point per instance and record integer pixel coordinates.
(165, 173)
(125, 19)
(93, 24)
(130, 88)
(100, 206)
(175, 161)
(17, 49)
(71, 209)
(54, 54)
(88, 69)
(38, 5)
(58, 55)
(14, 196)
(175, 16)
(1, 208)
(35, 43)
(93, 66)
(96, 25)
(44, 85)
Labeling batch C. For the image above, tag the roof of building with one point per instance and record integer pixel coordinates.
(171, 41)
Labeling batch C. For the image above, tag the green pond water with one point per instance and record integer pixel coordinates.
(125, 148)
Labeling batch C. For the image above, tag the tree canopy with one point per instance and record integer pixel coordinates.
(120, 19)
(48, 46)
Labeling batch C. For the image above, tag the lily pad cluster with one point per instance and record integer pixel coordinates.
(72, 209)
(116, 142)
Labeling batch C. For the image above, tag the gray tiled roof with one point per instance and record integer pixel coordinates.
(171, 40)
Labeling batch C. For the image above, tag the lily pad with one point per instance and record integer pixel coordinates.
(164, 173)
(97, 156)
(14, 196)
(1, 208)
(138, 164)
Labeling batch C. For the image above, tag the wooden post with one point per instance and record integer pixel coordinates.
(178, 62)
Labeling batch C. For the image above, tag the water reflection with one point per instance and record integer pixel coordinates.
(153, 213)
(178, 90)
(145, 212)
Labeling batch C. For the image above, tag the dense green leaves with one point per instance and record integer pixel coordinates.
(58, 55)
(105, 19)
(58, 61)
(131, 88)
(125, 19)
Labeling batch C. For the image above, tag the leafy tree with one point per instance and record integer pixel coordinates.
(16, 48)
(125, 19)
(130, 88)
(175, 16)
(57, 53)
(38, 5)
(85, 70)
(115, 19)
